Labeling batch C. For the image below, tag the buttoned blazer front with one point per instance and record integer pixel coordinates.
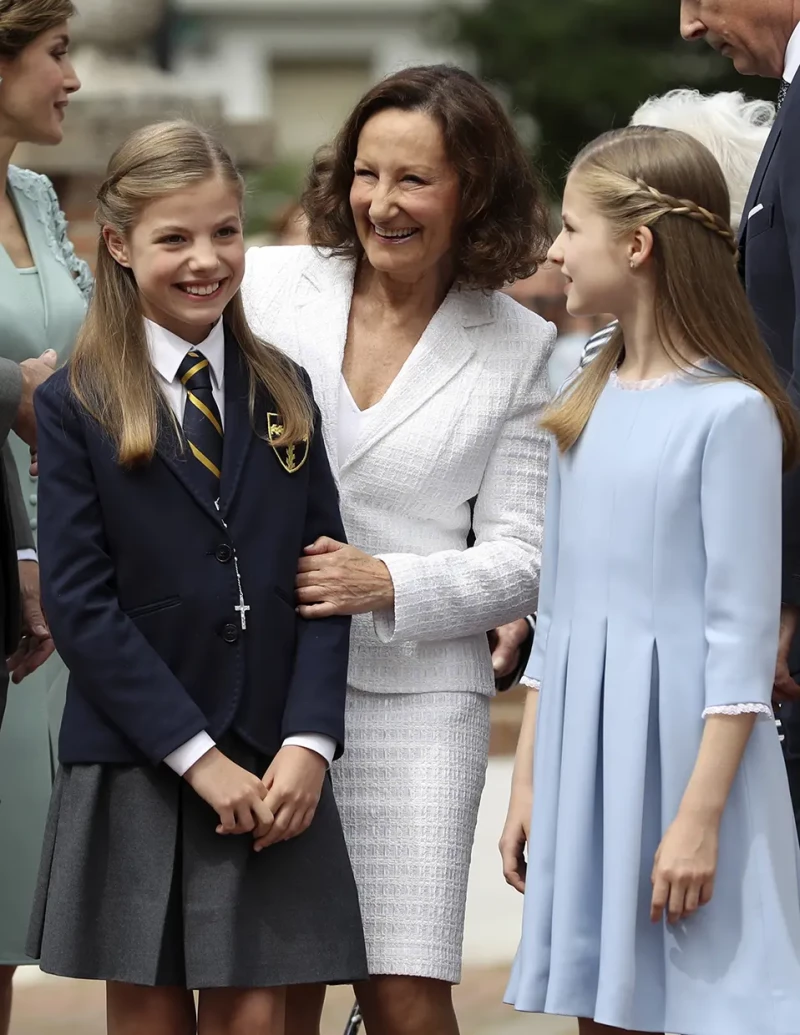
(459, 422)
(140, 586)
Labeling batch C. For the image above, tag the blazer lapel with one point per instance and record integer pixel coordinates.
(238, 425)
(761, 171)
(445, 347)
(171, 450)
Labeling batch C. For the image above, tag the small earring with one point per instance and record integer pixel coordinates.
(633, 264)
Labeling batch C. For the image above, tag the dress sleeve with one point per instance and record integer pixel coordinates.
(740, 503)
(534, 671)
(58, 224)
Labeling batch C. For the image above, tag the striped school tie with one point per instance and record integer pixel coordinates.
(782, 91)
(202, 423)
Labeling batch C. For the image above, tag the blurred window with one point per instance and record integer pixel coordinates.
(311, 100)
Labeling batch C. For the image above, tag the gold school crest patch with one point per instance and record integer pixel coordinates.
(291, 458)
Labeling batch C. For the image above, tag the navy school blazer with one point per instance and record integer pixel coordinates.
(140, 589)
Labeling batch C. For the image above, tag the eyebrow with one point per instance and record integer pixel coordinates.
(63, 38)
(176, 229)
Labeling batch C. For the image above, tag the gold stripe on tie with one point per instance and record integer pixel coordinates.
(205, 461)
(197, 367)
(201, 406)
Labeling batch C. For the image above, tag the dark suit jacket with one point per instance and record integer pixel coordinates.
(770, 244)
(140, 587)
(15, 529)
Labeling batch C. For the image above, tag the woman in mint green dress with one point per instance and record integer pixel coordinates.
(43, 294)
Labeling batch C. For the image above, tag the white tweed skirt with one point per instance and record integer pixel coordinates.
(408, 789)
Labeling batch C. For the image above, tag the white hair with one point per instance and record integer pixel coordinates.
(733, 128)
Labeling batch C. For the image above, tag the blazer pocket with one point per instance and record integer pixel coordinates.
(760, 222)
(153, 608)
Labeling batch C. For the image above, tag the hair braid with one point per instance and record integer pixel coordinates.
(685, 207)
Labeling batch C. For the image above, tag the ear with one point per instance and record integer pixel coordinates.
(117, 247)
(640, 247)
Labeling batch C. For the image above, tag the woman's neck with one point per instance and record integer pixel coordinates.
(421, 296)
(7, 147)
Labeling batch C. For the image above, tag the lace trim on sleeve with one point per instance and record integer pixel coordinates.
(738, 709)
(532, 684)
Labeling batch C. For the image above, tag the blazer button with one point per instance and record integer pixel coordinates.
(224, 553)
(230, 633)
(34, 524)
(34, 499)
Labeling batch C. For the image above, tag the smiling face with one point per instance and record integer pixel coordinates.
(595, 263)
(36, 87)
(754, 34)
(405, 195)
(186, 253)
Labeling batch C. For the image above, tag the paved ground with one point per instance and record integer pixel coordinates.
(47, 1006)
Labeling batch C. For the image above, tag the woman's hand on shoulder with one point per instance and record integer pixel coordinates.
(234, 793)
(514, 839)
(294, 785)
(336, 579)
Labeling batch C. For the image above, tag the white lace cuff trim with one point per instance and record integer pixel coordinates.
(739, 709)
(532, 684)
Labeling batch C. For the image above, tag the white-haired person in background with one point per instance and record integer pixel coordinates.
(733, 128)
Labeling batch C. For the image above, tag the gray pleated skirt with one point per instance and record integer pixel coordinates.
(136, 886)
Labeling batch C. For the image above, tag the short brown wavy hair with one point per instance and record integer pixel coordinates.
(503, 232)
(21, 21)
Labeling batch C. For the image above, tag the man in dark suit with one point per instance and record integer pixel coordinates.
(23, 631)
(762, 37)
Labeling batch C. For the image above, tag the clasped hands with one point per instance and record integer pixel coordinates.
(276, 808)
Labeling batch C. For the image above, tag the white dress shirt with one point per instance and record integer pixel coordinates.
(167, 352)
(792, 62)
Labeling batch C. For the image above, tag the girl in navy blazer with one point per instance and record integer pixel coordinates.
(193, 841)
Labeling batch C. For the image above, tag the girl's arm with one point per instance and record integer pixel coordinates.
(741, 517)
(517, 827)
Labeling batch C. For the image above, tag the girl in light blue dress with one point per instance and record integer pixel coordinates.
(662, 864)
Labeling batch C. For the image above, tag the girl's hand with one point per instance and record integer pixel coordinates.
(294, 784)
(515, 835)
(685, 867)
(235, 794)
(336, 579)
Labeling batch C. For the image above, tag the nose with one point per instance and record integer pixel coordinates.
(382, 205)
(692, 28)
(556, 252)
(71, 81)
(204, 256)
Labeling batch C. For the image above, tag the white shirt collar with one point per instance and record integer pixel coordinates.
(167, 351)
(792, 56)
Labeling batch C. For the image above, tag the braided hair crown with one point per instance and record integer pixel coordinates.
(691, 210)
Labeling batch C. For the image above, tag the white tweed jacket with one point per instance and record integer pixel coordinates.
(459, 422)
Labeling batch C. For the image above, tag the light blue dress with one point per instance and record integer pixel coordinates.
(660, 598)
(40, 308)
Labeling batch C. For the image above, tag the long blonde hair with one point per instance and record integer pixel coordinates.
(667, 181)
(110, 372)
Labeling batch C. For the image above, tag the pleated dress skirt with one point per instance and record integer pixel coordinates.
(136, 886)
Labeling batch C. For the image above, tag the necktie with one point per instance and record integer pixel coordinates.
(784, 89)
(202, 424)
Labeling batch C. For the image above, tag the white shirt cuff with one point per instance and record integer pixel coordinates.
(325, 746)
(183, 758)
(28, 554)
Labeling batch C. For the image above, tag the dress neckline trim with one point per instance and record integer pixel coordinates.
(647, 385)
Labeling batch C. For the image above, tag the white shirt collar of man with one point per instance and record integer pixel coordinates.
(792, 63)
(167, 351)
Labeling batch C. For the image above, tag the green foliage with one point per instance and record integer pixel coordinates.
(269, 191)
(580, 67)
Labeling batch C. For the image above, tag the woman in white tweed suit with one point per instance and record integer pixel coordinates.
(431, 383)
